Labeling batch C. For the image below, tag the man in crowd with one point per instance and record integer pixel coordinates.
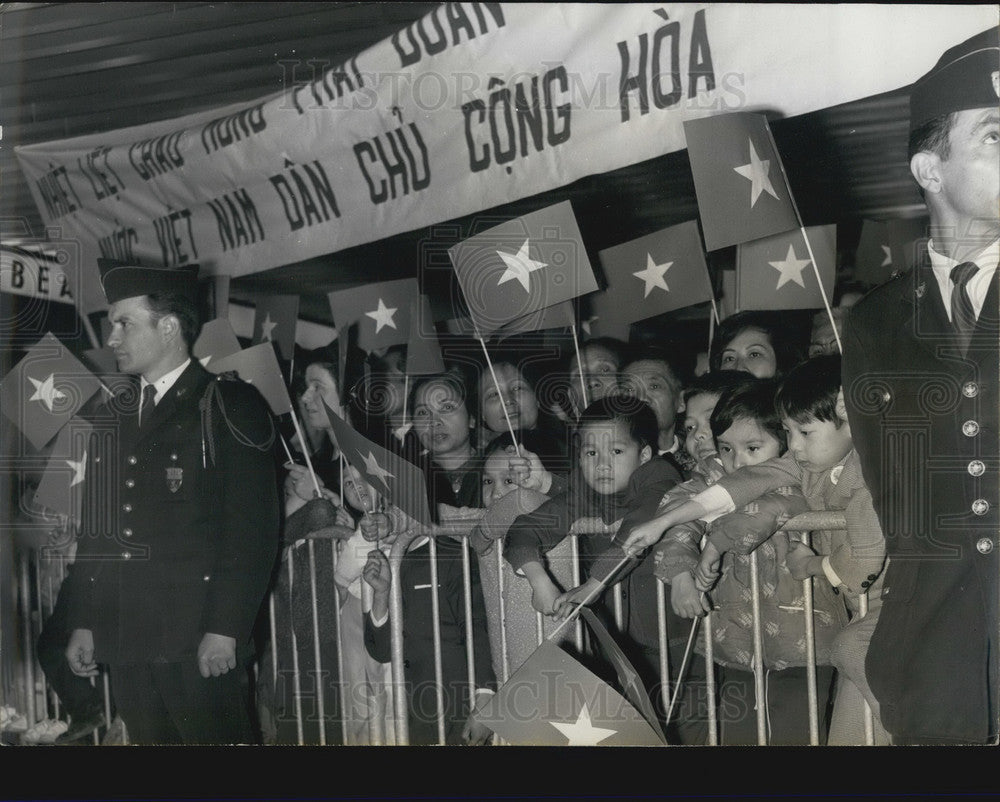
(167, 591)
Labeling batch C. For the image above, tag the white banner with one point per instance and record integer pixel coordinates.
(473, 106)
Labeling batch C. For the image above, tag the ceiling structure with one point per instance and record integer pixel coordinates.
(69, 69)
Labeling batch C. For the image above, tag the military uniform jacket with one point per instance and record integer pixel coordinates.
(182, 531)
(924, 421)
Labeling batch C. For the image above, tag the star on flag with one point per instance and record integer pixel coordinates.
(382, 316)
(79, 469)
(266, 327)
(727, 150)
(790, 268)
(582, 732)
(46, 391)
(519, 266)
(653, 275)
(676, 249)
(374, 469)
(758, 173)
(514, 269)
(757, 287)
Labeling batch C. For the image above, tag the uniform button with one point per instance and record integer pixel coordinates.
(836, 591)
(970, 428)
(970, 389)
(977, 467)
(130, 483)
(865, 584)
(126, 508)
(126, 555)
(132, 460)
(984, 545)
(886, 397)
(872, 577)
(127, 531)
(980, 506)
(206, 577)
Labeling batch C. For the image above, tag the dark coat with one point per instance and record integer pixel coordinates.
(924, 422)
(181, 544)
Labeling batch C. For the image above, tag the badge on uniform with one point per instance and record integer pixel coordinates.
(175, 476)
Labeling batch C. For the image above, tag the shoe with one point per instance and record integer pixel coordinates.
(82, 726)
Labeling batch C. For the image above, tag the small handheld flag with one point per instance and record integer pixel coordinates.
(45, 390)
(521, 266)
(738, 178)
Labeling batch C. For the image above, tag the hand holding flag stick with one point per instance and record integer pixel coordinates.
(601, 584)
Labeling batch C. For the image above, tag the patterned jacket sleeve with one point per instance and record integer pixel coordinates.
(750, 482)
(679, 549)
(744, 530)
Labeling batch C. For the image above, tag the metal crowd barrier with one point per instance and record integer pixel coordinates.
(41, 701)
(508, 651)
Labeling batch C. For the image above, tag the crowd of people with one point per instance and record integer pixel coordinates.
(668, 475)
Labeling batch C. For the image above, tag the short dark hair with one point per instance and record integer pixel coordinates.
(714, 382)
(809, 391)
(932, 137)
(653, 353)
(786, 352)
(637, 416)
(749, 400)
(184, 308)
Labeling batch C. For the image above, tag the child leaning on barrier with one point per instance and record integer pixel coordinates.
(747, 431)
(822, 461)
(616, 472)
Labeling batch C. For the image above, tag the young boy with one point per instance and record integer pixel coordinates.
(747, 431)
(821, 459)
(616, 472)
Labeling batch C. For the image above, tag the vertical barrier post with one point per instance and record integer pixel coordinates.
(28, 638)
(760, 692)
(317, 656)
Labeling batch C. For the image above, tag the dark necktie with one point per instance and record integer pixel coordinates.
(146, 406)
(963, 317)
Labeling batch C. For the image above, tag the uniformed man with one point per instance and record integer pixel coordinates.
(168, 596)
(920, 382)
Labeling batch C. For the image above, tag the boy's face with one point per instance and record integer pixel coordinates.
(609, 456)
(498, 478)
(746, 442)
(818, 445)
(649, 380)
(698, 439)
